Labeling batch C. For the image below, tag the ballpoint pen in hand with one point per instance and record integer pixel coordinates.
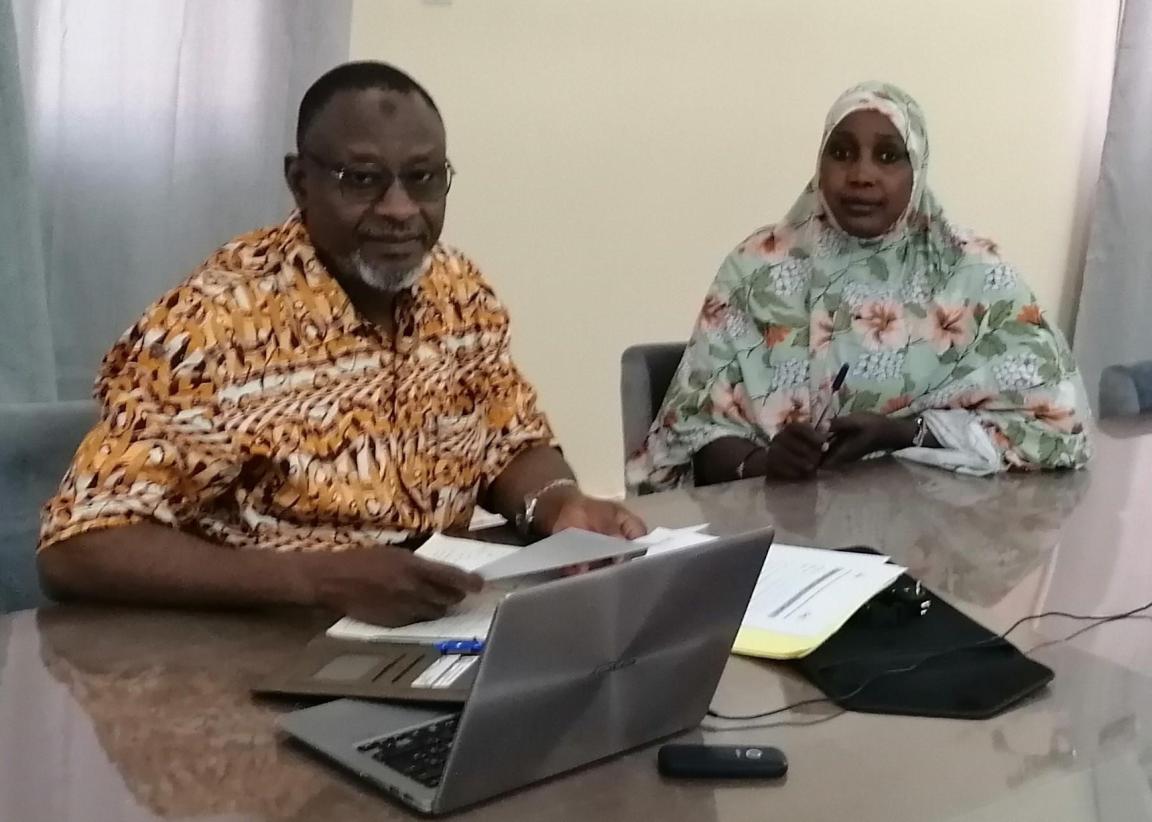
(837, 384)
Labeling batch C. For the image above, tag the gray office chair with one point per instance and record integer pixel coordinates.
(1126, 390)
(37, 441)
(646, 371)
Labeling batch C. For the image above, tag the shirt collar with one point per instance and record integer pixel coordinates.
(329, 303)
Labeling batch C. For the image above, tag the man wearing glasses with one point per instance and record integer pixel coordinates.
(315, 394)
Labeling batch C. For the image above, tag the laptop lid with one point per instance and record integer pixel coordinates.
(575, 670)
(589, 666)
(569, 547)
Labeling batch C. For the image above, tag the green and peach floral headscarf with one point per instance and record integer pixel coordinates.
(927, 317)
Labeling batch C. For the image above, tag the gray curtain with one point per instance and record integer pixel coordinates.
(135, 137)
(148, 134)
(27, 369)
(1114, 324)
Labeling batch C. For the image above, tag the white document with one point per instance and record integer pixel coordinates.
(482, 519)
(851, 558)
(498, 562)
(458, 669)
(571, 546)
(468, 554)
(469, 619)
(444, 672)
(433, 672)
(472, 617)
(660, 540)
(812, 592)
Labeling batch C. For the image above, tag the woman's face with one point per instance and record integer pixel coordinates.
(865, 174)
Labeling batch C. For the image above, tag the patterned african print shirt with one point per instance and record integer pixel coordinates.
(253, 406)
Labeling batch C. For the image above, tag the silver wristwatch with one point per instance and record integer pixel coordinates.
(744, 462)
(526, 518)
(921, 432)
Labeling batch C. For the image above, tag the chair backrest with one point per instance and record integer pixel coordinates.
(646, 371)
(37, 442)
(1126, 390)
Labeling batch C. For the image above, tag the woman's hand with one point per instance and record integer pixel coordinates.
(795, 452)
(855, 436)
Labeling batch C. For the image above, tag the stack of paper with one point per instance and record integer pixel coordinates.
(468, 554)
(804, 595)
(482, 519)
(659, 540)
(469, 619)
(504, 567)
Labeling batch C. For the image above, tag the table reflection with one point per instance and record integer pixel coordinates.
(973, 539)
(168, 699)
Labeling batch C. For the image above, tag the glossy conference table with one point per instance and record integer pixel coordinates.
(109, 714)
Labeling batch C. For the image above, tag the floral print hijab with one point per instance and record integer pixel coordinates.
(927, 317)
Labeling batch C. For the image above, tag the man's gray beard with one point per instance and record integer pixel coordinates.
(387, 282)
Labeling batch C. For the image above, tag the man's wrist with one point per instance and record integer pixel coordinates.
(305, 578)
(549, 502)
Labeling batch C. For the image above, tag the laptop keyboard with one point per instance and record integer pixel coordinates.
(420, 754)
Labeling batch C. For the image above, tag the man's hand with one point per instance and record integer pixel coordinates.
(152, 564)
(388, 586)
(855, 436)
(560, 506)
(795, 452)
(570, 508)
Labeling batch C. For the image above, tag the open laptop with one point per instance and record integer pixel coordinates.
(574, 671)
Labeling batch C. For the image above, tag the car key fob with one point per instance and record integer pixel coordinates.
(721, 761)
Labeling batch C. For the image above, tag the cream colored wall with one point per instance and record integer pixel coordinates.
(612, 151)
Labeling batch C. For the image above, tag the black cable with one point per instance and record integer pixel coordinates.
(782, 723)
(1097, 621)
(803, 704)
(1049, 643)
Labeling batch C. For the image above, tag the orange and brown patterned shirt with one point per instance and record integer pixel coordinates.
(253, 406)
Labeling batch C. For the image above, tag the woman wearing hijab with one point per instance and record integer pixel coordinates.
(865, 322)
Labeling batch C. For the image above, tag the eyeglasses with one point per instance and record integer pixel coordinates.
(366, 184)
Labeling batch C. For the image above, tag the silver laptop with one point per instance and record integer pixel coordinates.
(574, 671)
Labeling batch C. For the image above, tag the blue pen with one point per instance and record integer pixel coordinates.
(461, 646)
